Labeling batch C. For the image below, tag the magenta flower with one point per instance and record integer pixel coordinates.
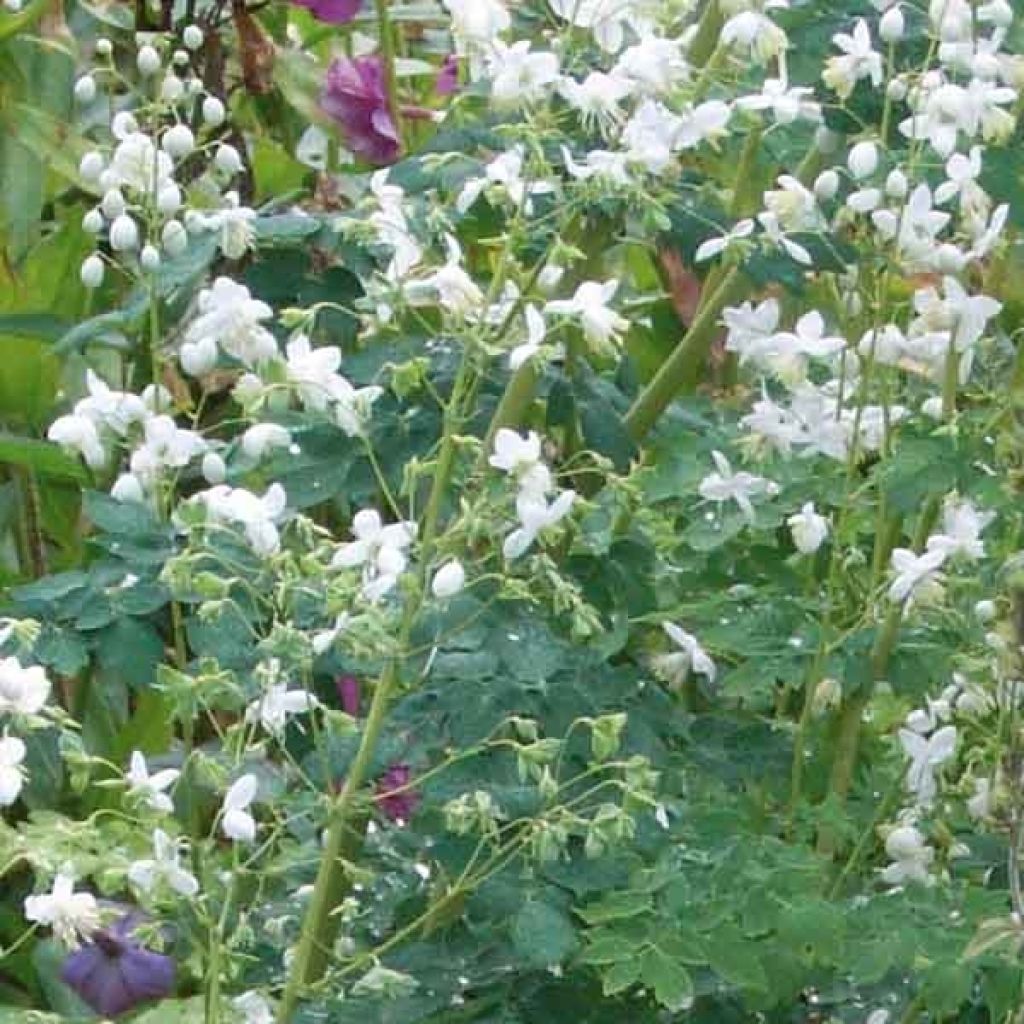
(447, 81)
(114, 974)
(348, 694)
(334, 12)
(397, 807)
(355, 95)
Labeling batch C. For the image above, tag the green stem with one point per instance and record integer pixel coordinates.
(348, 819)
(387, 50)
(708, 31)
(680, 371)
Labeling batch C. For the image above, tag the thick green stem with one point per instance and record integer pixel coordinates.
(679, 373)
(708, 31)
(348, 819)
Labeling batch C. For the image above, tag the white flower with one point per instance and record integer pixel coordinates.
(257, 516)
(601, 325)
(79, 434)
(73, 916)
(233, 225)
(237, 823)
(689, 657)
(535, 516)
(654, 66)
(232, 318)
(276, 705)
(725, 485)
(379, 549)
(12, 753)
(254, 1008)
(809, 529)
(448, 580)
(649, 136)
(521, 457)
(450, 286)
(138, 164)
(166, 446)
(23, 691)
(748, 325)
(859, 60)
(536, 331)
(702, 123)
(910, 855)
(915, 574)
(597, 99)
(476, 25)
(519, 76)
(787, 104)
(313, 372)
(713, 247)
(961, 530)
(792, 206)
(755, 33)
(604, 18)
(163, 868)
(118, 411)
(261, 439)
(148, 787)
(927, 754)
(980, 804)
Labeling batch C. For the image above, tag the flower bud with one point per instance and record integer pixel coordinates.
(112, 204)
(149, 258)
(92, 271)
(897, 90)
(178, 141)
(124, 234)
(168, 200)
(448, 580)
(174, 238)
(147, 61)
(863, 160)
(90, 166)
(85, 89)
(892, 26)
(192, 37)
(127, 488)
(826, 185)
(179, 58)
(93, 222)
(227, 159)
(896, 185)
(215, 470)
(809, 529)
(985, 611)
(104, 47)
(171, 88)
(213, 112)
(198, 357)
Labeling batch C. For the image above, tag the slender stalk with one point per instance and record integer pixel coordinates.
(708, 30)
(348, 817)
(387, 49)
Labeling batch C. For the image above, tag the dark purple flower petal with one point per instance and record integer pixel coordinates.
(398, 807)
(334, 12)
(348, 694)
(114, 974)
(355, 95)
(447, 81)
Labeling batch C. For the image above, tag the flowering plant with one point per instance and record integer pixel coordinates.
(512, 510)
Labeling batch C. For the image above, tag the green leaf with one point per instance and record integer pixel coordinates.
(734, 959)
(543, 935)
(670, 980)
(616, 906)
(42, 457)
(946, 987)
(621, 976)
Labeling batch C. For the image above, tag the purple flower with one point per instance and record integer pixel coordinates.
(355, 95)
(398, 807)
(447, 81)
(334, 12)
(114, 974)
(348, 693)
